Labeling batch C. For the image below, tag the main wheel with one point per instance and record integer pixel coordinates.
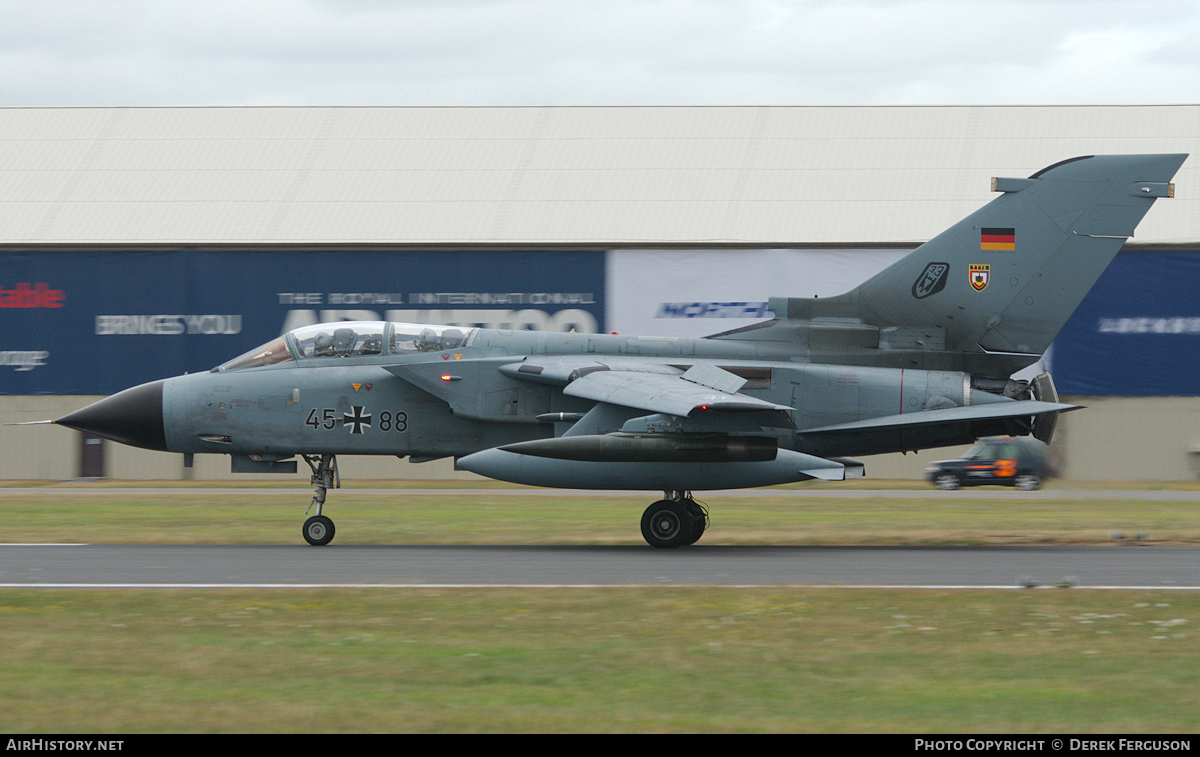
(318, 530)
(668, 524)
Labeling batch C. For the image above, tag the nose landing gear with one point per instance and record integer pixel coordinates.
(318, 530)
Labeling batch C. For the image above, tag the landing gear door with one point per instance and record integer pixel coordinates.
(1043, 389)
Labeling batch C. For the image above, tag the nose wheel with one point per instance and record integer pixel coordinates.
(676, 521)
(318, 530)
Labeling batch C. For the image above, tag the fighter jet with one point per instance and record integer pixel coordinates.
(918, 356)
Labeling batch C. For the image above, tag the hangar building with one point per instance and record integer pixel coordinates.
(139, 243)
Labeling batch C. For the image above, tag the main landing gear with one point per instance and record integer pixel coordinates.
(676, 521)
(318, 530)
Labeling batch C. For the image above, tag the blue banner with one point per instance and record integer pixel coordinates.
(96, 322)
(1138, 332)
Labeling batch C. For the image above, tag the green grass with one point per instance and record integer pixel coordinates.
(680, 659)
(486, 516)
(667, 659)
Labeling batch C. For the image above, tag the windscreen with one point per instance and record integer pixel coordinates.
(274, 351)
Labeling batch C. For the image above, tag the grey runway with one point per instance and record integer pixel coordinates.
(115, 566)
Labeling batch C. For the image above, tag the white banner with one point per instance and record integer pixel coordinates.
(693, 293)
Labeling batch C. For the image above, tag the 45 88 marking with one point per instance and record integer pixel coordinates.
(358, 420)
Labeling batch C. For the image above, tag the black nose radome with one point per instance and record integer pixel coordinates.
(133, 417)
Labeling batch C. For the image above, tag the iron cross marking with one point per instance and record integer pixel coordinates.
(357, 420)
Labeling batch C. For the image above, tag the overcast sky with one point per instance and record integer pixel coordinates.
(602, 52)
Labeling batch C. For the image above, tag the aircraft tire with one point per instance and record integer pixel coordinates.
(668, 524)
(318, 530)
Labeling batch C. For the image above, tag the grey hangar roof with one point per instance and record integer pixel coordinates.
(601, 177)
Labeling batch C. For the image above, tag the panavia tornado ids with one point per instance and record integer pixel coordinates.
(918, 356)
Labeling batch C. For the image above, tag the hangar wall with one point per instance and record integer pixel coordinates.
(142, 242)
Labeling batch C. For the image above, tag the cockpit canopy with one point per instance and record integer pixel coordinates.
(351, 339)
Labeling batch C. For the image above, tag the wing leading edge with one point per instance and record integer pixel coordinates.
(645, 385)
(657, 393)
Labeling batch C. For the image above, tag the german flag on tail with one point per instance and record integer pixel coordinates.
(998, 239)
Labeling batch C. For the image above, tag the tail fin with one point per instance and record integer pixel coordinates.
(1007, 277)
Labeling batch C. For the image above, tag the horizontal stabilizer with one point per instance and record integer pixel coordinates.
(996, 411)
(930, 428)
